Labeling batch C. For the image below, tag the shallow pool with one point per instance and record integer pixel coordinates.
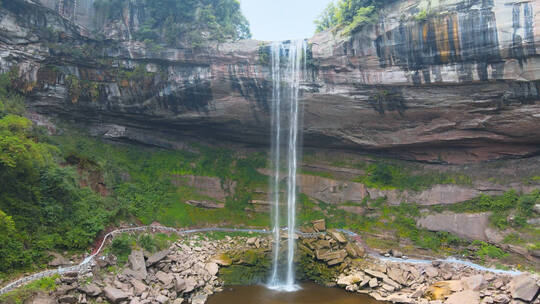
(309, 294)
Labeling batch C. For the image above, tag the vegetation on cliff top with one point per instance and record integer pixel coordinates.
(178, 21)
(349, 14)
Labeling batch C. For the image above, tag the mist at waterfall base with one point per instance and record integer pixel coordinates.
(288, 65)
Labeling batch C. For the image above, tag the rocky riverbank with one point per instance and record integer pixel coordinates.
(402, 282)
(187, 272)
(197, 266)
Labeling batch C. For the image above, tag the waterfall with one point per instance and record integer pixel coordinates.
(284, 123)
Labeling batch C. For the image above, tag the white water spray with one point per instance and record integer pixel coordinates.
(285, 101)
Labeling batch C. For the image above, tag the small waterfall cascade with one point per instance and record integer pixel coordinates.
(288, 65)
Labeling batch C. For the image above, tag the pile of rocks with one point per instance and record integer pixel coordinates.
(184, 273)
(333, 248)
(188, 271)
(436, 283)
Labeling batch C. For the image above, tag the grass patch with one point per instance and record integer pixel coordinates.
(141, 180)
(20, 295)
(382, 175)
(521, 206)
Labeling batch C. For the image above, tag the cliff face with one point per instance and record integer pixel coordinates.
(461, 85)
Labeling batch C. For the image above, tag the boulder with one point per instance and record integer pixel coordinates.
(350, 279)
(138, 265)
(42, 299)
(475, 282)
(165, 278)
(331, 255)
(91, 289)
(115, 295)
(397, 275)
(375, 273)
(354, 250)
(501, 299)
(465, 225)
(431, 271)
(212, 268)
(373, 283)
(138, 287)
(462, 297)
(438, 291)
(185, 285)
(390, 282)
(158, 256)
(69, 299)
(319, 225)
(488, 300)
(336, 261)
(199, 299)
(64, 289)
(524, 287)
(322, 244)
(536, 208)
(396, 253)
(338, 236)
(162, 299)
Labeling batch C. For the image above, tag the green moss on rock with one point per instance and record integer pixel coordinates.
(249, 267)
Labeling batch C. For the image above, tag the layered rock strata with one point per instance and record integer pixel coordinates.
(460, 85)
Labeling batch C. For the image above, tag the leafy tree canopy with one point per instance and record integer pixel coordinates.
(177, 21)
(42, 206)
(349, 14)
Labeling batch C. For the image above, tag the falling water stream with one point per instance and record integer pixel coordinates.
(288, 64)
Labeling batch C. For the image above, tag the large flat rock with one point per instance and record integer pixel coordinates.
(115, 295)
(466, 225)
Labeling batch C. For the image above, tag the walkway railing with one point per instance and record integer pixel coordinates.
(87, 261)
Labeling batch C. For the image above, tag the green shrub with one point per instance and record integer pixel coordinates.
(487, 250)
(501, 207)
(513, 238)
(384, 175)
(157, 242)
(22, 294)
(121, 247)
(421, 16)
(179, 21)
(349, 14)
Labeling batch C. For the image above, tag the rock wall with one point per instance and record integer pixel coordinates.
(460, 86)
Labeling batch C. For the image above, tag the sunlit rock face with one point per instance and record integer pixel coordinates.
(461, 85)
